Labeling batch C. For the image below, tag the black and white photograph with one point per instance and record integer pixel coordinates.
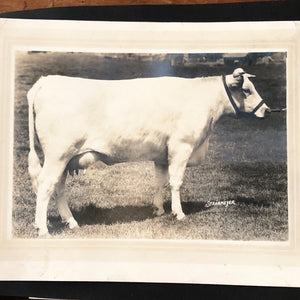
(129, 148)
(150, 146)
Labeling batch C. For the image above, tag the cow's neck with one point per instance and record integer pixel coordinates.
(229, 95)
(231, 105)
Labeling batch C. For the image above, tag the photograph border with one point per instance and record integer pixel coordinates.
(221, 262)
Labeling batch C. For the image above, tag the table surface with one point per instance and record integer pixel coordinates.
(22, 5)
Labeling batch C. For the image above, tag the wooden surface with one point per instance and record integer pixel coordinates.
(21, 5)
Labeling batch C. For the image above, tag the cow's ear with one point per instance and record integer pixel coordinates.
(238, 72)
(234, 82)
(249, 75)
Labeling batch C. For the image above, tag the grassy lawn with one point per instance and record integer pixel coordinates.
(245, 167)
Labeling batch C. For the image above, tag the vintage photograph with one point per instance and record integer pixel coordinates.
(166, 146)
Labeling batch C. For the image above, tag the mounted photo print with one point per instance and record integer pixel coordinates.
(142, 102)
(127, 145)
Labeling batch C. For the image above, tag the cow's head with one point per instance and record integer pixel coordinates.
(243, 95)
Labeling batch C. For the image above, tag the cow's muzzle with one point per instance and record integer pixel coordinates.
(262, 111)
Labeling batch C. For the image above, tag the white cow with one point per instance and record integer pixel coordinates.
(166, 120)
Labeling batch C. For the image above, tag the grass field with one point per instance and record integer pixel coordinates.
(238, 193)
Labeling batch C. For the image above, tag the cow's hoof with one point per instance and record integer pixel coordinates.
(72, 224)
(41, 233)
(158, 212)
(44, 236)
(179, 216)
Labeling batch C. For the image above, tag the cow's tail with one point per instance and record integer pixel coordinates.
(34, 166)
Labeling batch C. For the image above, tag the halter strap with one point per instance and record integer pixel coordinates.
(258, 106)
(236, 109)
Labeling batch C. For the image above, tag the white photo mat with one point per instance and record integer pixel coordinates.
(268, 263)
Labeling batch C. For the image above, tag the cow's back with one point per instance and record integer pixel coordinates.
(117, 117)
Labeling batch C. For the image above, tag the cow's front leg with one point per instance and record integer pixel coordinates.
(162, 177)
(179, 154)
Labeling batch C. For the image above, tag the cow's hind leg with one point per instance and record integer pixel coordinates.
(179, 154)
(48, 179)
(162, 178)
(62, 203)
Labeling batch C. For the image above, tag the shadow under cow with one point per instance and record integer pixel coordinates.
(92, 215)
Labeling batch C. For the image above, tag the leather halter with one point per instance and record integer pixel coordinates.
(236, 109)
